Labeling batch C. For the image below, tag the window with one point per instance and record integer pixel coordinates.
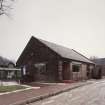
(41, 67)
(76, 66)
(10, 74)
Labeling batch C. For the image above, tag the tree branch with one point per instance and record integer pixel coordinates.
(5, 6)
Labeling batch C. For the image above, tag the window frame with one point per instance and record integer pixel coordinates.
(76, 64)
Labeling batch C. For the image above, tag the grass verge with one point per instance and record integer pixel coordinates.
(11, 88)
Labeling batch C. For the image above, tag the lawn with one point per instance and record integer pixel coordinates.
(11, 88)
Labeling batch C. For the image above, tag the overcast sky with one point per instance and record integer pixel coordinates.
(77, 24)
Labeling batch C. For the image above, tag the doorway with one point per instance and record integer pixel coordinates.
(66, 71)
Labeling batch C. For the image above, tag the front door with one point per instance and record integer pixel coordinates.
(66, 71)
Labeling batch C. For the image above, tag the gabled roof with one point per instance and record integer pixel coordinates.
(58, 49)
(66, 52)
(99, 61)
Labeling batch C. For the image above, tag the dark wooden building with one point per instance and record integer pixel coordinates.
(45, 61)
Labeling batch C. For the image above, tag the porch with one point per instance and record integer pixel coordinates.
(72, 71)
(10, 73)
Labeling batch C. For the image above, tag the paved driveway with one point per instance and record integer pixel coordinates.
(93, 94)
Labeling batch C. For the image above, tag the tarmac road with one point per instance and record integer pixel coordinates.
(92, 94)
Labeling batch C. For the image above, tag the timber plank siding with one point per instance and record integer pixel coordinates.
(36, 52)
(41, 60)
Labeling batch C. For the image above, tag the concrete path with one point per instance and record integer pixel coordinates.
(7, 83)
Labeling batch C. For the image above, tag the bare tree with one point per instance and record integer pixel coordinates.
(5, 7)
(93, 58)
